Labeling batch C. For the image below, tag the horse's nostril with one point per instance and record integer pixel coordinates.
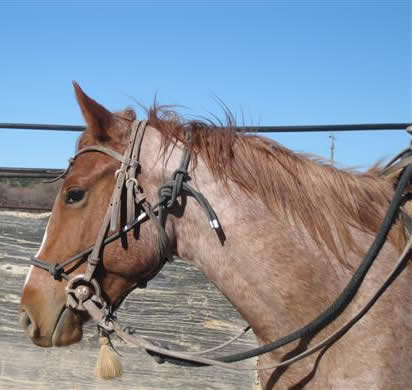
(28, 324)
(25, 321)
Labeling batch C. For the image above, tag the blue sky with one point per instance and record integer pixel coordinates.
(272, 62)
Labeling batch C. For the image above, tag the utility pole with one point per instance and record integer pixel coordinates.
(332, 148)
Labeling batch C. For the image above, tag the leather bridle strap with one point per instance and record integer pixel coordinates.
(122, 173)
(132, 186)
(400, 161)
(112, 213)
(95, 148)
(57, 270)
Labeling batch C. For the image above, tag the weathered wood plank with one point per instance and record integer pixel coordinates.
(27, 193)
(178, 307)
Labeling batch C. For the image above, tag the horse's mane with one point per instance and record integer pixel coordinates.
(328, 201)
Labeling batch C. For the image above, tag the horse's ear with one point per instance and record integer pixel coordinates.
(98, 119)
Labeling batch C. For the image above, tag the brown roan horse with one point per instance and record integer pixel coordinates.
(295, 229)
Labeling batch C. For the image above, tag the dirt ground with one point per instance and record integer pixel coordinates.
(179, 306)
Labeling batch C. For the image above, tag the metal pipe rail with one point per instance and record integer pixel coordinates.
(251, 129)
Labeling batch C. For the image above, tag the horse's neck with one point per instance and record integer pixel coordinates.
(254, 263)
(240, 261)
(279, 279)
(262, 252)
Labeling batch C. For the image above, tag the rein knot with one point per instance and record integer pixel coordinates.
(55, 271)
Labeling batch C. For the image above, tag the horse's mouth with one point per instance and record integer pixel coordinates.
(68, 328)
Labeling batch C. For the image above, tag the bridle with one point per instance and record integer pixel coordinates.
(84, 293)
(82, 287)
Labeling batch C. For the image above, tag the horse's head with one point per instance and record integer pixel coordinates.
(77, 217)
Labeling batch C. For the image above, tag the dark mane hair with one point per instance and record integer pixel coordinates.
(328, 201)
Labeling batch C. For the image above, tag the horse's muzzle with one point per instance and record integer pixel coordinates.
(64, 329)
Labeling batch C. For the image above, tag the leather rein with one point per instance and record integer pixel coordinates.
(84, 292)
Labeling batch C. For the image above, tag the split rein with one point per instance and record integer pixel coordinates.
(84, 293)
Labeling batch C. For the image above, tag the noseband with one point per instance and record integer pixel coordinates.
(83, 287)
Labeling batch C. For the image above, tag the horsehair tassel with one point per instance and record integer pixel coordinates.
(108, 364)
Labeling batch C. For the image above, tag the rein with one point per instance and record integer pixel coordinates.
(84, 292)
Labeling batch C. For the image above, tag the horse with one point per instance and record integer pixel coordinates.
(292, 229)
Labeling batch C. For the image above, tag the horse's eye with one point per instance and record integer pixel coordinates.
(74, 195)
